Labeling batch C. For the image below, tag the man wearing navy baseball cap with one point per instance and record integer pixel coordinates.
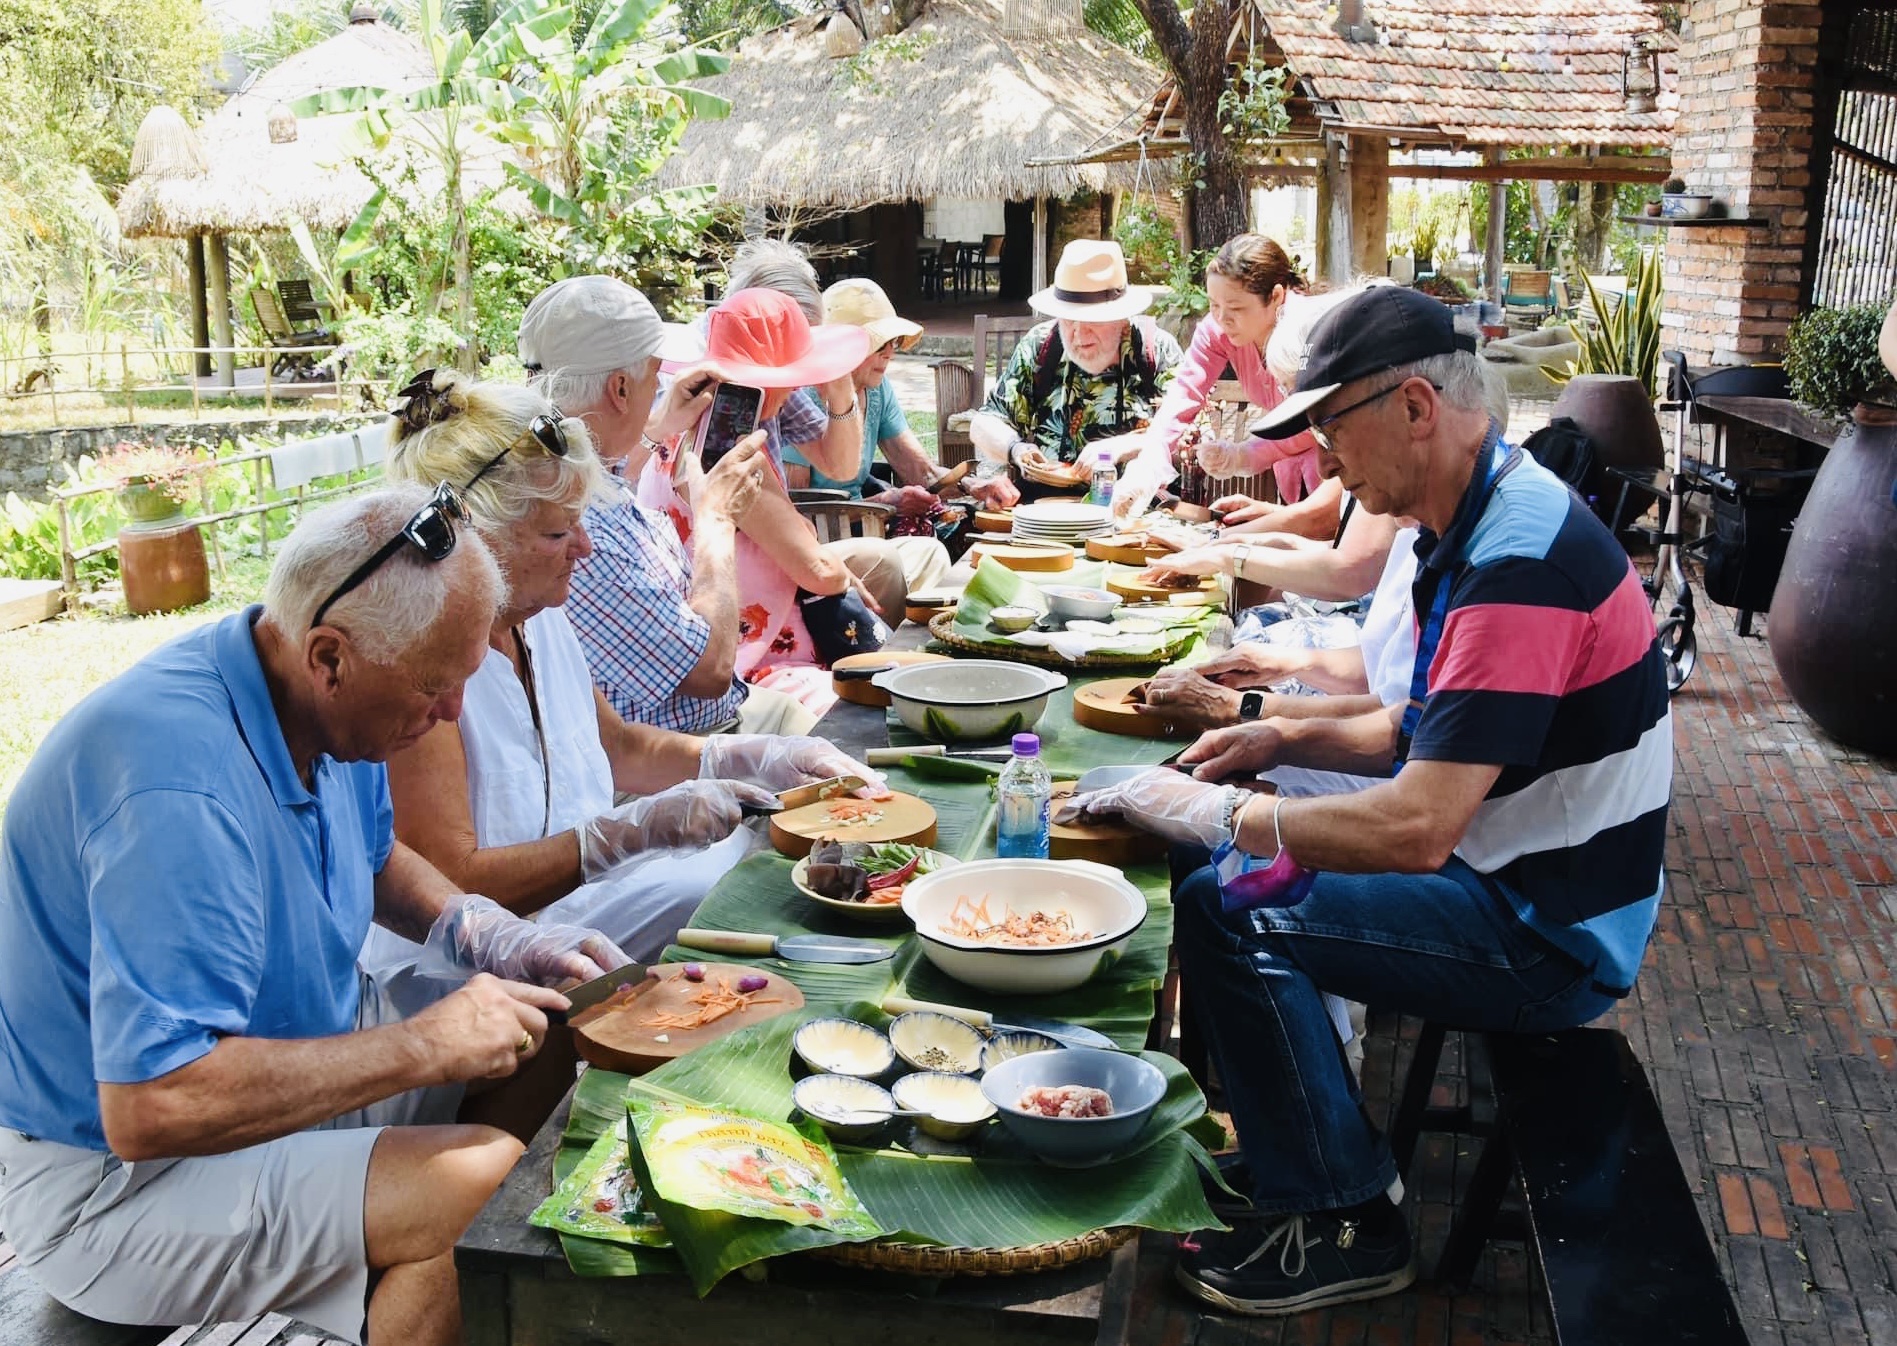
(1508, 875)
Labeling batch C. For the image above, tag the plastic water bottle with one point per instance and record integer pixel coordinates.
(1105, 475)
(1025, 788)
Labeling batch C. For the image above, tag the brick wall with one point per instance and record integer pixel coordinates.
(1744, 134)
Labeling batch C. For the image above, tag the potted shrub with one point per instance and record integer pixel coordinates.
(1833, 626)
(153, 481)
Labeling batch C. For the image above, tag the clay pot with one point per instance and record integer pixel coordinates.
(1833, 629)
(163, 567)
(1613, 411)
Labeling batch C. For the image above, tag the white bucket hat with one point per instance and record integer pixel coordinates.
(1090, 285)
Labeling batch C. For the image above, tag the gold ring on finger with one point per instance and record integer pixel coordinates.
(526, 1043)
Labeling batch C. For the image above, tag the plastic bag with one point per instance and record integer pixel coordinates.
(601, 1199)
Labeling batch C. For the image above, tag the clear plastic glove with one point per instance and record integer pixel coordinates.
(477, 934)
(778, 762)
(1225, 460)
(1173, 805)
(1138, 483)
(687, 816)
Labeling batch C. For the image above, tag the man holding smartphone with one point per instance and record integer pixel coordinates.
(659, 622)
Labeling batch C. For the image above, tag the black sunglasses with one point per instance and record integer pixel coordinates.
(544, 430)
(431, 532)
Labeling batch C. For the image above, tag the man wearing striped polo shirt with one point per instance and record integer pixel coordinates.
(1506, 878)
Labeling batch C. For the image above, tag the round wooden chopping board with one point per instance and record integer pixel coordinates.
(1116, 843)
(994, 521)
(1130, 586)
(1018, 556)
(1122, 552)
(861, 690)
(904, 818)
(618, 1033)
(1107, 705)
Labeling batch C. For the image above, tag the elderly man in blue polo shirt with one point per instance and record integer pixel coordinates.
(206, 1112)
(1509, 875)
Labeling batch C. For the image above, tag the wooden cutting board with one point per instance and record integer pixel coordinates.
(1041, 560)
(904, 818)
(866, 693)
(1129, 585)
(1116, 843)
(618, 1033)
(994, 521)
(1121, 552)
(1105, 705)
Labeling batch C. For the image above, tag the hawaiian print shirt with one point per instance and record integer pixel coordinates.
(1058, 405)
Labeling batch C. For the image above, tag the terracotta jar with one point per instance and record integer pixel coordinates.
(1833, 629)
(1616, 415)
(163, 567)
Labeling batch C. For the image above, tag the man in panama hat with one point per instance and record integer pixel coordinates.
(1095, 371)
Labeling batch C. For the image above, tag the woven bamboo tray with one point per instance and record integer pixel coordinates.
(942, 631)
(927, 1259)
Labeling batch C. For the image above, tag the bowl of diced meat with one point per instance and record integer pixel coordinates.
(1078, 1105)
(1024, 927)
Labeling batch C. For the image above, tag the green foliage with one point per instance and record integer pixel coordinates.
(870, 68)
(1120, 21)
(1149, 241)
(1252, 104)
(1623, 339)
(1832, 361)
(723, 24)
(29, 530)
(1441, 285)
(1427, 220)
(164, 468)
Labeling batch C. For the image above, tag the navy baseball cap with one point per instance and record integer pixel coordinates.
(1380, 328)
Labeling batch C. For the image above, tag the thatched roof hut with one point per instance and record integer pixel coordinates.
(953, 107)
(251, 181)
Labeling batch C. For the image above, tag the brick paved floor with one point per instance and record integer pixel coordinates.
(1766, 1017)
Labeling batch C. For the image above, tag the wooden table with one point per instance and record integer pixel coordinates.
(1780, 414)
(516, 1288)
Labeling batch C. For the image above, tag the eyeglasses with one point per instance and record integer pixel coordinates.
(1319, 429)
(544, 430)
(430, 531)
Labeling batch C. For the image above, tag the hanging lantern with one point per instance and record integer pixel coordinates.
(281, 124)
(1640, 76)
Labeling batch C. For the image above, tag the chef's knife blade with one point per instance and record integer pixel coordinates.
(589, 993)
(796, 948)
(799, 795)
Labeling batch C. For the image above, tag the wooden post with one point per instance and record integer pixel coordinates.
(200, 309)
(68, 568)
(268, 365)
(1498, 231)
(125, 377)
(1040, 243)
(263, 519)
(217, 259)
(1369, 205)
(210, 530)
(1333, 215)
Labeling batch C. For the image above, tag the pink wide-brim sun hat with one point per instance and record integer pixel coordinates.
(761, 339)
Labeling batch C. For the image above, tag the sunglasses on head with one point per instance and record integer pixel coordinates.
(543, 430)
(430, 531)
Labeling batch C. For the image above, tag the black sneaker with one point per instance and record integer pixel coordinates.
(1273, 1265)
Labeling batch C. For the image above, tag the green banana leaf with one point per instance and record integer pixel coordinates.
(995, 586)
(1002, 1199)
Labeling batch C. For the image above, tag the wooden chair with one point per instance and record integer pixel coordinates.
(1226, 418)
(1529, 291)
(959, 389)
(295, 358)
(836, 520)
(992, 246)
(299, 304)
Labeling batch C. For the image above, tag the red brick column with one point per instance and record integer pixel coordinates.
(1744, 133)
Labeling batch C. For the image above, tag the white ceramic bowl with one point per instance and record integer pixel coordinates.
(953, 1106)
(1098, 897)
(883, 913)
(969, 698)
(1685, 205)
(1013, 619)
(1069, 601)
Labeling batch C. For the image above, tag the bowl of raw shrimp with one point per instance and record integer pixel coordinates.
(1024, 927)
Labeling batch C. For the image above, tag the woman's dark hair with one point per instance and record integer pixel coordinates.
(1258, 264)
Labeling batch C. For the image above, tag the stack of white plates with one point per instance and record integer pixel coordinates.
(1062, 522)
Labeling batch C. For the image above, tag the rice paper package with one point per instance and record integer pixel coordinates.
(711, 1159)
(601, 1198)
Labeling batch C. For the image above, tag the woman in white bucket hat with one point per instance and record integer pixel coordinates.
(1095, 372)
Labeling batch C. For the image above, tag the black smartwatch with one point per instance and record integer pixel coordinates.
(1251, 705)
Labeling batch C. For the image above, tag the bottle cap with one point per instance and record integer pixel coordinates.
(1027, 745)
(1104, 456)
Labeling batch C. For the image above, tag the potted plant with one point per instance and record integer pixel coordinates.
(1677, 203)
(152, 480)
(1608, 389)
(1833, 625)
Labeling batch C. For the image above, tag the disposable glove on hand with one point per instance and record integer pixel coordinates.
(778, 762)
(689, 815)
(477, 934)
(1170, 803)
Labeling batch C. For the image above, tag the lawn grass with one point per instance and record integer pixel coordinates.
(46, 669)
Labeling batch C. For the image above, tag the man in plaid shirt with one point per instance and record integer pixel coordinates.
(659, 623)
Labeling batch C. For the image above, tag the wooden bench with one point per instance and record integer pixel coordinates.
(1607, 1210)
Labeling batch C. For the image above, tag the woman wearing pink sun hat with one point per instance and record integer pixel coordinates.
(761, 339)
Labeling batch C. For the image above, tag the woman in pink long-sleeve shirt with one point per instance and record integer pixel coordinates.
(1252, 287)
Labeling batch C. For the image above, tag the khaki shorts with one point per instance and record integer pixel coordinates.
(274, 1228)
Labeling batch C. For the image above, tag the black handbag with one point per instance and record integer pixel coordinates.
(841, 624)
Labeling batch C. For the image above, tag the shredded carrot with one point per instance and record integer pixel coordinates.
(714, 1001)
(970, 919)
(853, 812)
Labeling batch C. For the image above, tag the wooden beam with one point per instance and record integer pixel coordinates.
(1040, 243)
(1542, 170)
(217, 261)
(200, 306)
(1369, 205)
(1498, 231)
(1333, 217)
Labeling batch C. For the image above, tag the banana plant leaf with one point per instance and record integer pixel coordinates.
(1003, 1198)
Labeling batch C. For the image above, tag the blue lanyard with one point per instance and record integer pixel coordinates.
(1500, 458)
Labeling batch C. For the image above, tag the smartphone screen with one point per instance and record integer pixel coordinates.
(733, 415)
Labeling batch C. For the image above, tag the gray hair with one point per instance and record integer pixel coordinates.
(397, 606)
(576, 394)
(772, 264)
(1465, 382)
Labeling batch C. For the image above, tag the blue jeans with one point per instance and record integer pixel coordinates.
(1444, 946)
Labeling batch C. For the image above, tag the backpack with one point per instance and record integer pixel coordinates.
(1564, 449)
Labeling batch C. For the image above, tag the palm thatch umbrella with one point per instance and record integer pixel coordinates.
(961, 105)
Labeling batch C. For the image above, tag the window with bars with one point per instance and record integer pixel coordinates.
(1855, 225)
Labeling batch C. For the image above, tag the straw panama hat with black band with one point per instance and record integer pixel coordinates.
(1090, 285)
(857, 302)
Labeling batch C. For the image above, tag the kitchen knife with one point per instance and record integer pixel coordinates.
(1072, 1035)
(894, 756)
(796, 948)
(799, 795)
(587, 994)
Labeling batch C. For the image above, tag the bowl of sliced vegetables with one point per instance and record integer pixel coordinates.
(864, 880)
